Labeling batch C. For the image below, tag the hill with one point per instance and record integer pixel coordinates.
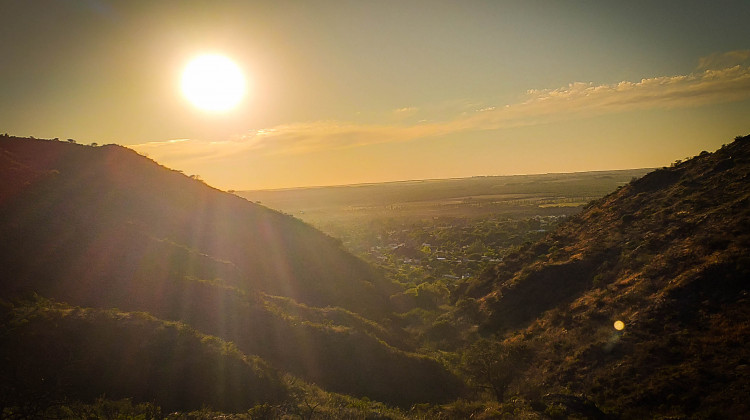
(82, 204)
(53, 351)
(105, 228)
(128, 279)
(667, 255)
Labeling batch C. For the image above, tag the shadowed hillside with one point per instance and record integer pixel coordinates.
(80, 209)
(668, 255)
(53, 351)
(103, 227)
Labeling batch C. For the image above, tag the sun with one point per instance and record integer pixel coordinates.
(214, 83)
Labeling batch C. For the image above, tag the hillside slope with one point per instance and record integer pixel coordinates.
(51, 351)
(103, 227)
(86, 203)
(669, 256)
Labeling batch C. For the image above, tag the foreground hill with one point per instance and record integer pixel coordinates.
(107, 212)
(53, 351)
(103, 227)
(669, 256)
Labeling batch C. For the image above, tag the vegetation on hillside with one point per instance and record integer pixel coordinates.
(132, 291)
(102, 227)
(667, 255)
(52, 352)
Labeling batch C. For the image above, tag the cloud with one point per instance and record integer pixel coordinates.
(724, 60)
(295, 138)
(189, 151)
(406, 111)
(708, 86)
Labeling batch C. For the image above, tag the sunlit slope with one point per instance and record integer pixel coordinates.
(669, 256)
(104, 227)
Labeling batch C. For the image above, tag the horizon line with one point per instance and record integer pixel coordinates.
(406, 181)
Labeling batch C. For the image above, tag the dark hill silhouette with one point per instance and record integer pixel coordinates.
(96, 200)
(52, 351)
(669, 256)
(103, 227)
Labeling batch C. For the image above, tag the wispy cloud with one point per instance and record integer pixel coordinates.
(181, 151)
(724, 60)
(406, 111)
(720, 78)
(710, 86)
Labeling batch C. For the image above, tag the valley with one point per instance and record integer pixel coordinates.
(133, 291)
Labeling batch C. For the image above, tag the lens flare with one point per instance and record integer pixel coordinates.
(619, 325)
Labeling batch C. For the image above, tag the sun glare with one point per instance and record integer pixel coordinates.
(213, 83)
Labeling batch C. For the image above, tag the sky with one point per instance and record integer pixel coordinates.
(344, 92)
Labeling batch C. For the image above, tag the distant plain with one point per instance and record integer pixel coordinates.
(515, 196)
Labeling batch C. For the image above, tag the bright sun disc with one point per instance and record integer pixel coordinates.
(213, 83)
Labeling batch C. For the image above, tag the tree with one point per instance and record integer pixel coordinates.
(493, 365)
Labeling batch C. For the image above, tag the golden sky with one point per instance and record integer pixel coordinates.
(342, 92)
